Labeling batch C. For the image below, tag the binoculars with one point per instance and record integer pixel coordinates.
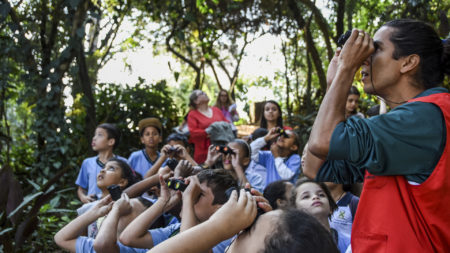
(176, 184)
(228, 194)
(115, 191)
(172, 150)
(172, 163)
(343, 38)
(224, 150)
(282, 132)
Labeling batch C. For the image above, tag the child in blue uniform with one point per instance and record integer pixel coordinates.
(282, 161)
(237, 163)
(315, 199)
(118, 172)
(105, 140)
(150, 131)
(203, 196)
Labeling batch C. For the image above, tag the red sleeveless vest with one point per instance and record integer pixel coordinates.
(395, 216)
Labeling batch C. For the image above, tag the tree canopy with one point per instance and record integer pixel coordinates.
(51, 100)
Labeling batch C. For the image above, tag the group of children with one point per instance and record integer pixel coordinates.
(209, 200)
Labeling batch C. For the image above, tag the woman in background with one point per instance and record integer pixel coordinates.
(199, 118)
(228, 108)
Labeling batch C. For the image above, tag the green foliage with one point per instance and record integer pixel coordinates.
(127, 105)
(50, 49)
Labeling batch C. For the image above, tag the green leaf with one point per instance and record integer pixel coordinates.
(57, 164)
(4, 231)
(176, 75)
(60, 210)
(37, 187)
(51, 188)
(25, 201)
(55, 201)
(67, 189)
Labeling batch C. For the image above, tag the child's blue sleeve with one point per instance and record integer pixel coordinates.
(221, 247)
(132, 160)
(83, 177)
(293, 163)
(161, 234)
(255, 180)
(84, 245)
(126, 249)
(264, 157)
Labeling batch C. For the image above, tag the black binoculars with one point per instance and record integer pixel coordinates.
(228, 194)
(172, 150)
(343, 38)
(172, 163)
(282, 132)
(176, 184)
(115, 191)
(224, 150)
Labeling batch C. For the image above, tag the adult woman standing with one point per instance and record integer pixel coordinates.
(199, 118)
(271, 116)
(228, 108)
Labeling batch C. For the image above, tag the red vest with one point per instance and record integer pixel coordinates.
(395, 216)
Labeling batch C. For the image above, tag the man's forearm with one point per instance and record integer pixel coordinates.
(331, 112)
(312, 165)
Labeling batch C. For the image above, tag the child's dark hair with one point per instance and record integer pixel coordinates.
(296, 139)
(259, 132)
(219, 180)
(353, 91)
(263, 123)
(417, 37)
(298, 230)
(325, 189)
(177, 137)
(112, 131)
(247, 149)
(127, 172)
(275, 190)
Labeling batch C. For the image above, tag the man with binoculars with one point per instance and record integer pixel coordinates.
(401, 155)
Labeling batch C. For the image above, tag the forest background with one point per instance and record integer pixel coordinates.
(51, 52)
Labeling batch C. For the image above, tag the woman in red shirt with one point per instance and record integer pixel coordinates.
(199, 118)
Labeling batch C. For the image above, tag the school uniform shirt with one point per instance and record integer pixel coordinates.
(255, 180)
(141, 162)
(256, 168)
(280, 168)
(87, 177)
(92, 229)
(342, 242)
(86, 245)
(161, 234)
(342, 218)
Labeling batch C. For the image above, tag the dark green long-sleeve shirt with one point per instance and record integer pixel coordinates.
(409, 141)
